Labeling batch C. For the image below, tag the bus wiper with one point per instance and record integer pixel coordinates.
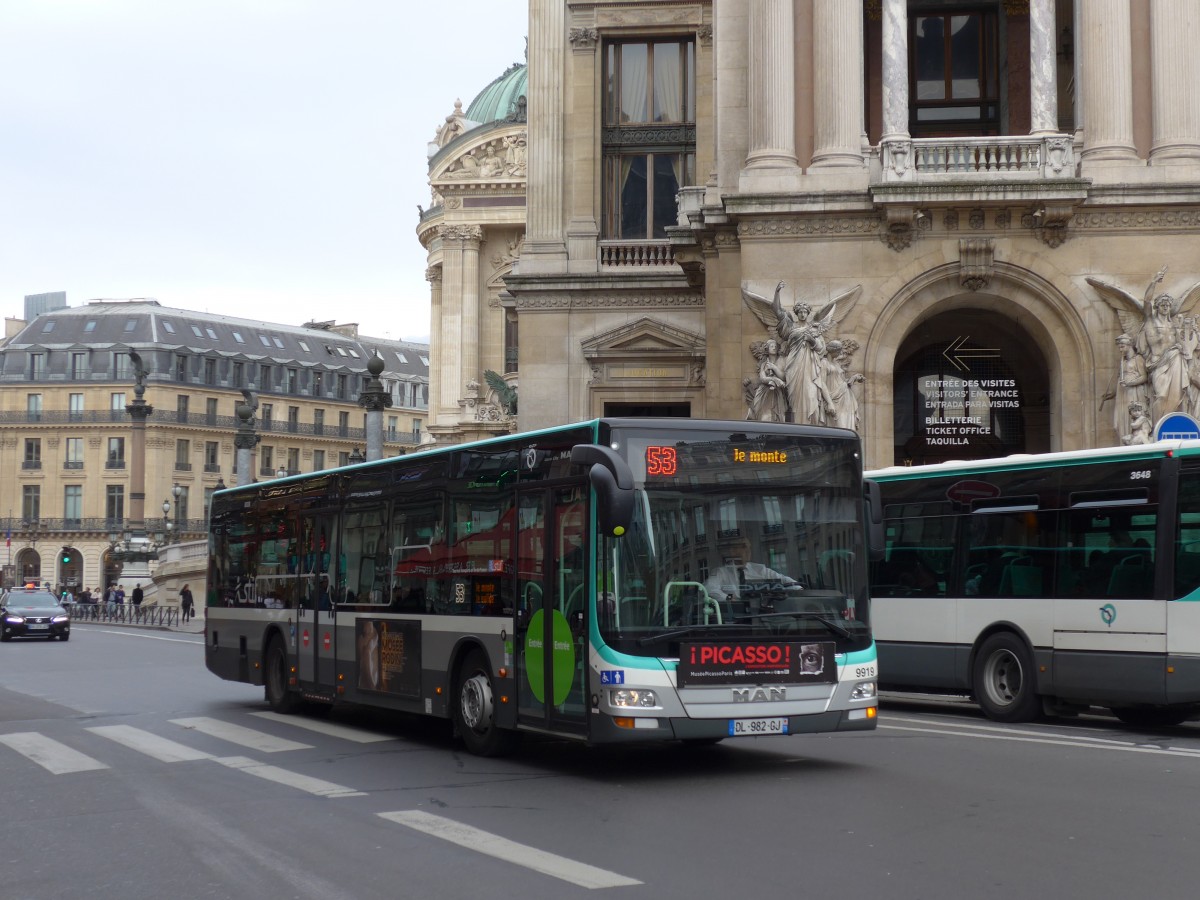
(816, 617)
(677, 633)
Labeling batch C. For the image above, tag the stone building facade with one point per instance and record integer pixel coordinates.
(928, 220)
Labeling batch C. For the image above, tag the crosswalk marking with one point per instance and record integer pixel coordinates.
(358, 735)
(502, 848)
(291, 779)
(150, 744)
(236, 734)
(50, 754)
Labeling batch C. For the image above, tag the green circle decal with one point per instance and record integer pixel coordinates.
(562, 658)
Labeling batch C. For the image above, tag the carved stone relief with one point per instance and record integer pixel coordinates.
(801, 376)
(499, 158)
(975, 261)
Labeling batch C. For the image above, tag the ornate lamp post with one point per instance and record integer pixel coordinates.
(374, 399)
(135, 550)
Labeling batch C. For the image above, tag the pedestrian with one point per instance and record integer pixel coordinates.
(120, 595)
(137, 595)
(185, 602)
(110, 599)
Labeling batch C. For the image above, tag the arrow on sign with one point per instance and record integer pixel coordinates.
(956, 353)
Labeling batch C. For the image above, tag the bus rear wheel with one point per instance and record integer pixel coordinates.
(475, 710)
(275, 679)
(1004, 683)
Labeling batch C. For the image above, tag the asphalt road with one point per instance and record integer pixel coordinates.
(131, 772)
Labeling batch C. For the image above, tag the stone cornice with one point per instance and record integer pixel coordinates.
(558, 301)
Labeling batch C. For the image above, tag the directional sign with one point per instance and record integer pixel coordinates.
(957, 353)
(1177, 427)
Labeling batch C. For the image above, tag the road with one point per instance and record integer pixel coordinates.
(130, 772)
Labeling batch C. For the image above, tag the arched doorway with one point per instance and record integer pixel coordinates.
(969, 384)
(29, 567)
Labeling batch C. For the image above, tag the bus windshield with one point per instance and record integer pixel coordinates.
(737, 536)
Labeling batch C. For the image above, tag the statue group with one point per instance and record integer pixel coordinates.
(1159, 369)
(803, 376)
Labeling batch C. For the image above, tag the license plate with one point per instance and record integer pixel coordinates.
(39, 627)
(751, 727)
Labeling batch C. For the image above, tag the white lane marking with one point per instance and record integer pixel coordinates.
(150, 744)
(290, 779)
(149, 637)
(236, 734)
(952, 731)
(50, 754)
(357, 735)
(501, 848)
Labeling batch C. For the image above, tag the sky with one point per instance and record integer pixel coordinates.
(254, 158)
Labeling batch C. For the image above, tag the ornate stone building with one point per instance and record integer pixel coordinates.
(966, 203)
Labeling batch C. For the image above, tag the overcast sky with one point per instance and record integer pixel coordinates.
(253, 158)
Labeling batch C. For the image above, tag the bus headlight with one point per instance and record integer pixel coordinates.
(864, 690)
(626, 697)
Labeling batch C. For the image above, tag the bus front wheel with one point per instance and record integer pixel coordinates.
(275, 679)
(1004, 683)
(475, 710)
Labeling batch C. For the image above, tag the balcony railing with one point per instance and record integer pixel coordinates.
(44, 528)
(643, 254)
(1000, 158)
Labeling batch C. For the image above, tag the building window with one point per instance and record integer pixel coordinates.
(182, 449)
(954, 73)
(210, 371)
(266, 461)
(75, 407)
(31, 502)
(341, 387)
(417, 430)
(318, 382)
(33, 454)
(33, 407)
(116, 453)
(318, 421)
(73, 505)
(210, 410)
(268, 411)
(166, 324)
(74, 459)
(293, 419)
(211, 456)
(79, 365)
(290, 379)
(239, 374)
(37, 366)
(318, 460)
(343, 458)
(122, 366)
(114, 506)
(649, 135)
(181, 407)
(393, 427)
(181, 368)
(179, 513)
(293, 460)
(264, 378)
(343, 423)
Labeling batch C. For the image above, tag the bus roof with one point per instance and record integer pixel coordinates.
(1020, 461)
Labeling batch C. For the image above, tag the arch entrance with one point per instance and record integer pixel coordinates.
(969, 384)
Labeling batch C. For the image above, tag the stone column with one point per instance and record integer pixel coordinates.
(434, 276)
(1107, 68)
(895, 70)
(838, 93)
(469, 335)
(545, 238)
(374, 399)
(1175, 78)
(772, 85)
(1043, 68)
(582, 229)
(449, 385)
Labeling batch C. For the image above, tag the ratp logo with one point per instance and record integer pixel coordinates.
(1108, 613)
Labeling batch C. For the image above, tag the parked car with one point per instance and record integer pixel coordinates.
(33, 612)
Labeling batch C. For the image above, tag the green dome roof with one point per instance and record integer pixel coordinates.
(499, 99)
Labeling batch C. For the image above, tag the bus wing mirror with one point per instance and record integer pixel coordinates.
(612, 481)
(873, 501)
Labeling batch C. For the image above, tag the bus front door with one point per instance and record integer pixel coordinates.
(550, 631)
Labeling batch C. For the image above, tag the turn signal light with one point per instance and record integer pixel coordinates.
(872, 712)
(623, 722)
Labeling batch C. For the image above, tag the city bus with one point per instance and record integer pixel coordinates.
(562, 582)
(1045, 583)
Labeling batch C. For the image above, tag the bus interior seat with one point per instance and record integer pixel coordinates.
(1129, 577)
(1021, 578)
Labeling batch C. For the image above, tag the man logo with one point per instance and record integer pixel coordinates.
(759, 695)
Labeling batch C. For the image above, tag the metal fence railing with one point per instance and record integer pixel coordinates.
(124, 614)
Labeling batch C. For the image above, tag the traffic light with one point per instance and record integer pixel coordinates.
(66, 555)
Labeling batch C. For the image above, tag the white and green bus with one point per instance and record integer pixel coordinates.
(1048, 583)
(565, 582)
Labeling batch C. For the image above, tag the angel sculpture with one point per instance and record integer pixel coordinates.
(766, 400)
(1154, 326)
(801, 331)
(840, 384)
(506, 394)
(139, 373)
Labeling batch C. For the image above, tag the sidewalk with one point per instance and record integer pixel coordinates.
(193, 626)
